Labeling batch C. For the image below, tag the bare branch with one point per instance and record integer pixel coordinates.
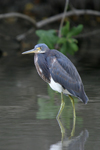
(14, 14)
(68, 14)
(49, 20)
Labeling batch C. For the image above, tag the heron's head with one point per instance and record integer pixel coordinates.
(39, 48)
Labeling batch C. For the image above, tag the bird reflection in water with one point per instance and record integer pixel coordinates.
(76, 143)
(63, 129)
(48, 110)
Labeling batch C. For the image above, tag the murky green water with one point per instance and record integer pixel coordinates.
(28, 109)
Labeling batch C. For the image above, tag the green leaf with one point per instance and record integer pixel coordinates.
(74, 40)
(39, 32)
(61, 40)
(65, 29)
(63, 48)
(72, 48)
(75, 31)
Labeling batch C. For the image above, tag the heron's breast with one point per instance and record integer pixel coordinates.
(39, 70)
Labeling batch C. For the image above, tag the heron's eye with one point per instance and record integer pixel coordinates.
(38, 48)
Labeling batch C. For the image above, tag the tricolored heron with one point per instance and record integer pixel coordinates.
(59, 72)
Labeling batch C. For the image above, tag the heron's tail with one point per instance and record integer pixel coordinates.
(83, 96)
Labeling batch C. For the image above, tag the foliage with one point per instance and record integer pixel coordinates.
(48, 37)
(67, 43)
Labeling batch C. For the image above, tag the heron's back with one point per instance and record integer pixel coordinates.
(65, 73)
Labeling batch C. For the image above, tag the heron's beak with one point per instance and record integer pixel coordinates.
(35, 50)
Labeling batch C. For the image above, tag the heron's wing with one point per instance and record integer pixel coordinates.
(64, 73)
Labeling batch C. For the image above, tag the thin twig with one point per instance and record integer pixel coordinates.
(88, 34)
(22, 36)
(63, 17)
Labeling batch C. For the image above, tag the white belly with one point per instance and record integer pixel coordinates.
(57, 87)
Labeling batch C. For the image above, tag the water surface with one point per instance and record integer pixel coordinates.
(28, 109)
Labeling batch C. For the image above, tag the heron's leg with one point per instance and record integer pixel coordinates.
(73, 105)
(74, 116)
(61, 106)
